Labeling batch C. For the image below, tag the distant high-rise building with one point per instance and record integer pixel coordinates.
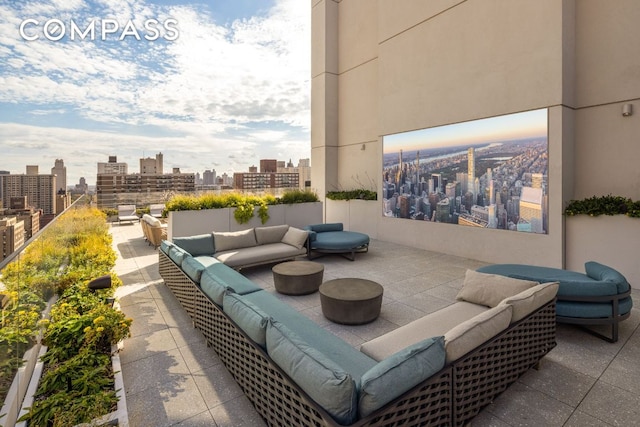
(536, 180)
(471, 170)
(81, 187)
(268, 165)
(11, 236)
(262, 181)
(40, 190)
(253, 169)
(112, 167)
(209, 177)
(151, 166)
(60, 171)
(531, 208)
(303, 170)
(115, 188)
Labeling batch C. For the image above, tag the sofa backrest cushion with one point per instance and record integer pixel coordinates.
(152, 221)
(165, 246)
(273, 234)
(177, 254)
(226, 241)
(468, 335)
(529, 300)
(218, 278)
(251, 319)
(321, 228)
(321, 378)
(604, 273)
(295, 237)
(194, 266)
(490, 289)
(400, 372)
(201, 244)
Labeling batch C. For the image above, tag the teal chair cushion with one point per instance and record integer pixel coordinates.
(218, 278)
(165, 246)
(591, 310)
(322, 228)
(247, 316)
(178, 254)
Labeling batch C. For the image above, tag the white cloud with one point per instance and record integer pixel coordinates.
(213, 86)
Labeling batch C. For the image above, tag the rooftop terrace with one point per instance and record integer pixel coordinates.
(172, 378)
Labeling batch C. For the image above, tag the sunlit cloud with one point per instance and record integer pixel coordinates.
(238, 89)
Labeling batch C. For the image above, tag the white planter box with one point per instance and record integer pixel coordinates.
(610, 240)
(355, 215)
(190, 223)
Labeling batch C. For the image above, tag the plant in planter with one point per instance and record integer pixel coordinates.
(244, 205)
(361, 194)
(77, 385)
(604, 205)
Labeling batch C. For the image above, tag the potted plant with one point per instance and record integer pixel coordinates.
(356, 209)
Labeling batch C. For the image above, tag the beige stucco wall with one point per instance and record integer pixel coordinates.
(412, 64)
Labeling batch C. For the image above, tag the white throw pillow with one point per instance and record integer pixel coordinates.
(295, 237)
(490, 289)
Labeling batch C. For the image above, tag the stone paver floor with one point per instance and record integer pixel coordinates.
(172, 378)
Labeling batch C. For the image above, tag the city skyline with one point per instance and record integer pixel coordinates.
(233, 87)
(499, 180)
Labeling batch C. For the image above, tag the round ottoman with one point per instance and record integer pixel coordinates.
(297, 277)
(351, 301)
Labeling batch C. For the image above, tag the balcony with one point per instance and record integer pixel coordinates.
(171, 377)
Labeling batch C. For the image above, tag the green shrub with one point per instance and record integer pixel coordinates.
(298, 196)
(361, 194)
(604, 205)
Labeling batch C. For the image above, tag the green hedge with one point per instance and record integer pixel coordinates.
(244, 204)
(604, 205)
(361, 194)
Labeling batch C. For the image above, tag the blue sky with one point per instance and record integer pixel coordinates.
(215, 84)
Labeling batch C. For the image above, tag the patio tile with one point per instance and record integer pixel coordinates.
(166, 405)
(559, 382)
(169, 364)
(198, 356)
(400, 314)
(523, 406)
(580, 419)
(425, 302)
(148, 318)
(216, 385)
(203, 419)
(444, 292)
(615, 405)
(372, 330)
(623, 374)
(144, 346)
(237, 413)
(485, 419)
(184, 335)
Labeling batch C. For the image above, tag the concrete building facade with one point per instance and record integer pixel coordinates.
(385, 67)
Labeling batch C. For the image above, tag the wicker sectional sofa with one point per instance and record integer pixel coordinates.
(297, 373)
(246, 248)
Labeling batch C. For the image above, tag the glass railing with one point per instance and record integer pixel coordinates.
(25, 294)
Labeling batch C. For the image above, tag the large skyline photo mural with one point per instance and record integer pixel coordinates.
(487, 173)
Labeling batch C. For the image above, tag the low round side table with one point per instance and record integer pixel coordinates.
(297, 277)
(351, 301)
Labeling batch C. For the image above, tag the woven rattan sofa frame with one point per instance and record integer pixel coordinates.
(452, 397)
(275, 396)
(489, 369)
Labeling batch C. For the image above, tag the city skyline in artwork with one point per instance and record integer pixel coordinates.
(487, 173)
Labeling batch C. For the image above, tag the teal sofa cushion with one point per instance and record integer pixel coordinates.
(339, 240)
(247, 316)
(322, 228)
(194, 266)
(332, 347)
(165, 246)
(178, 254)
(603, 273)
(218, 278)
(591, 310)
(202, 244)
(399, 373)
(571, 283)
(322, 379)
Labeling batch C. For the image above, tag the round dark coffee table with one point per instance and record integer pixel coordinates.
(297, 277)
(351, 301)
